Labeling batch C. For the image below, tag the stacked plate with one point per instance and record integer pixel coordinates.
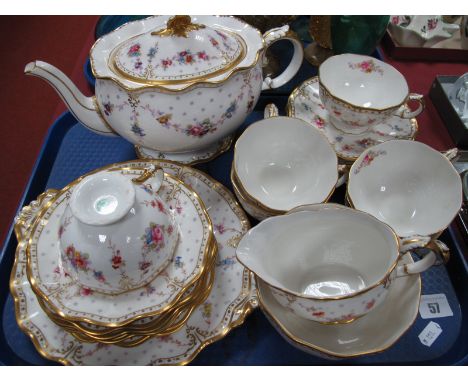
(75, 324)
(122, 255)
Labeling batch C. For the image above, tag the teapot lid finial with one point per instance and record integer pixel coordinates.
(178, 26)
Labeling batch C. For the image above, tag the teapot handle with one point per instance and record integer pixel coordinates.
(272, 36)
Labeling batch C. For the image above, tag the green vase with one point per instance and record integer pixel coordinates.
(357, 34)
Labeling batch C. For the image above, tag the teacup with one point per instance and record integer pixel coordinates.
(282, 162)
(117, 234)
(408, 185)
(327, 262)
(360, 92)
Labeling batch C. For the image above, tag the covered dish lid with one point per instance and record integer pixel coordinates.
(181, 51)
(177, 52)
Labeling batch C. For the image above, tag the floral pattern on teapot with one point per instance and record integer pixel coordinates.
(194, 123)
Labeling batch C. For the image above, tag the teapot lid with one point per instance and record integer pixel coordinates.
(182, 51)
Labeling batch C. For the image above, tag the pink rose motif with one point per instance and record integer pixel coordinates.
(370, 304)
(157, 235)
(319, 122)
(365, 65)
(196, 131)
(220, 228)
(86, 291)
(166, 63)
(134, 50)
(318, 314)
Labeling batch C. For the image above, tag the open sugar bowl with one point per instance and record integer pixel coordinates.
(117, 234)
(327, 262)
(360, 92)
(281, 163)
(408, 185)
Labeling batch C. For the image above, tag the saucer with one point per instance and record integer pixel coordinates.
(232, 297)
(304, 103)
(375, 332)
(190, 158)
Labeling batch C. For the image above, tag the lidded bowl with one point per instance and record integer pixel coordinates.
(117, 234)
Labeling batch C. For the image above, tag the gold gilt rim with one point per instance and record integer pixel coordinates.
(291, 111)
(202, 269)
(382, 280)
(433, 234)
(246, 291)
(115, 68)
(130, 337)
(190, 85)
(308, 345)
(163, 325)
(221, 149)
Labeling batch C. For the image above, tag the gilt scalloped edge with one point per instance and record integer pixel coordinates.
(26, 217)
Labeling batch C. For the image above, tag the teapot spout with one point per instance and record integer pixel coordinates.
(84, 108)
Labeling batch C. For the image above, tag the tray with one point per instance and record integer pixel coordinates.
(70, 151)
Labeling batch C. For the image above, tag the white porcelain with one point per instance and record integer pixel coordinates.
(420, 31)
(208, 323)
(282, 163)
(304, 103)
(191, 158)
(326, 262)
(375, 332)
(71, 300)
(116, 235)
(360, 92)
(174, 85)
(408, 185)
(249, 207)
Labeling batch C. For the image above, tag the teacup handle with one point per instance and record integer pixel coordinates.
(439, 253)
(272, 36)
(270, 111)
(403, 111)
(343, 172)
(156, 174)
(452, 154)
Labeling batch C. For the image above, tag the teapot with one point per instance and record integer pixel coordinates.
(174, 85)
